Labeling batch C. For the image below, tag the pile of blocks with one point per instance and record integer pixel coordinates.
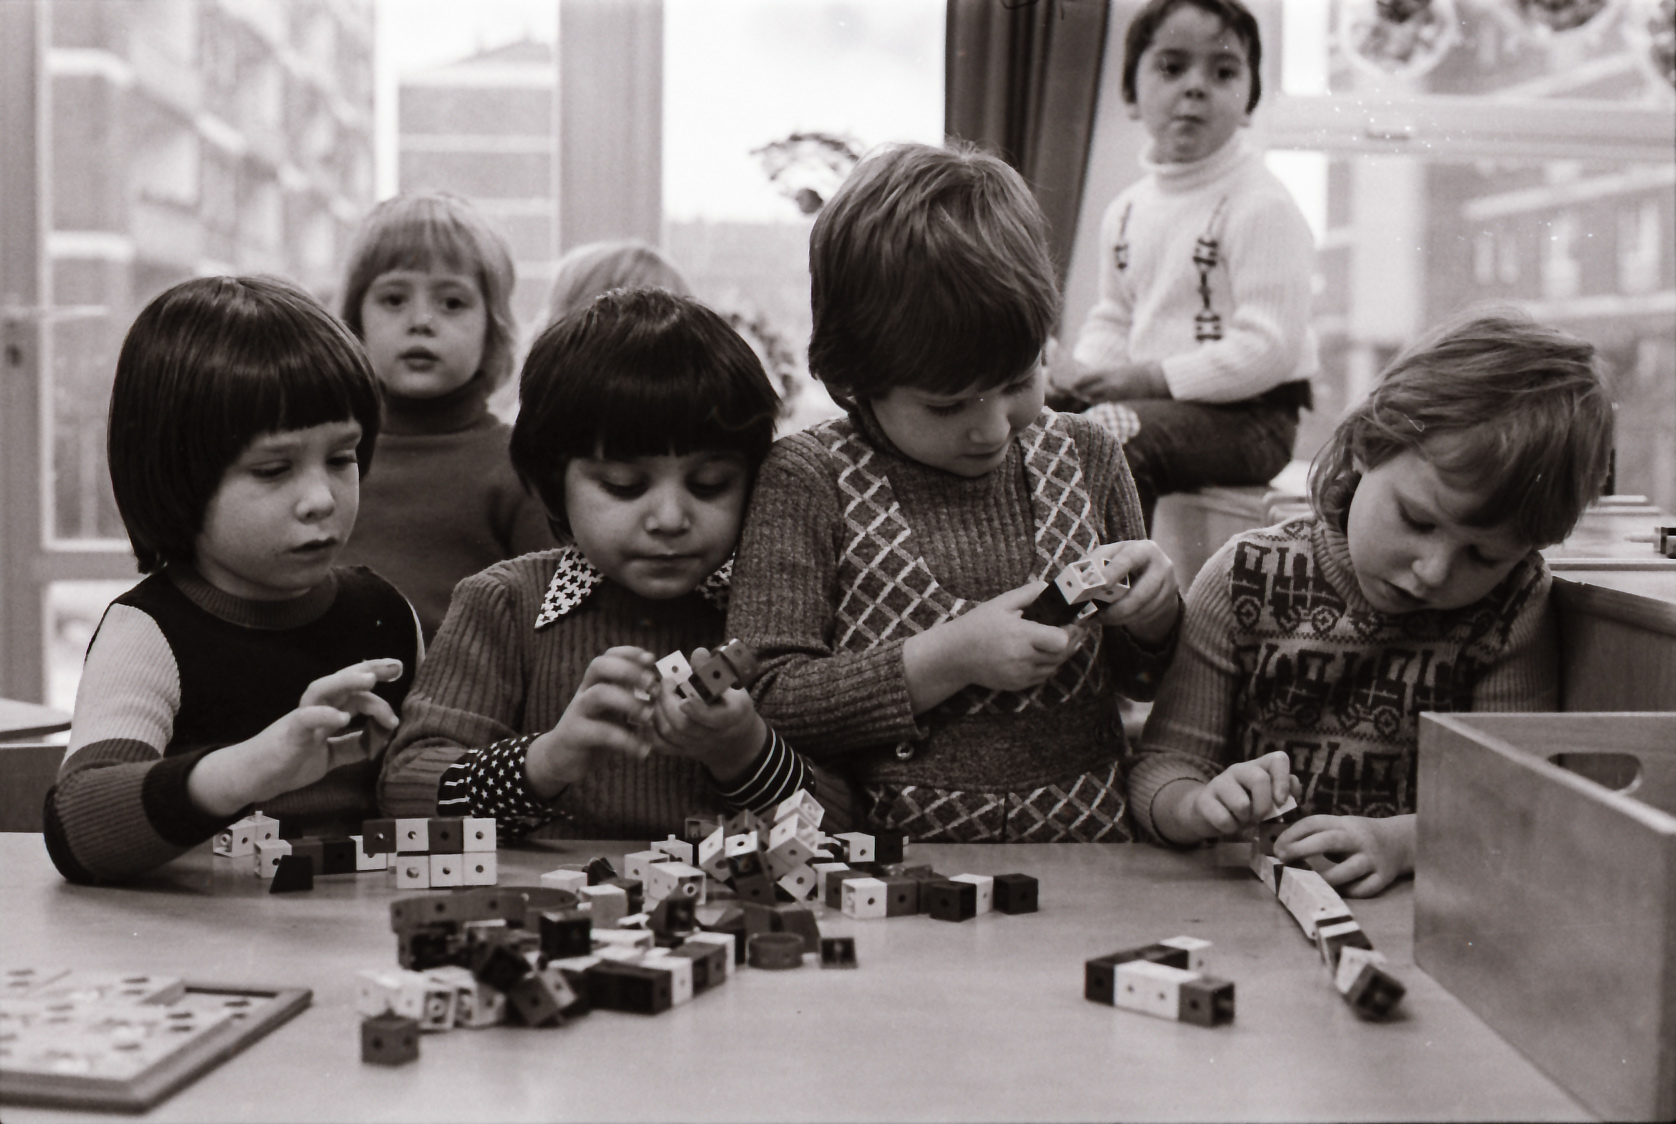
(1358, 972)
(875, 890)
(1166, 979)
(424, 852)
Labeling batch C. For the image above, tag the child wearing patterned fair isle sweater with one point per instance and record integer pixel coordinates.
(1311, 648)
(890, 554)
(643, 418)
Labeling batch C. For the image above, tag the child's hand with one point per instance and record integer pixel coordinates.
(1369, 854)
(606, 715)
(1150, 608)
(724, 736)
(992, 646)
(299, 748)
(1116, 384)
(1241, 795)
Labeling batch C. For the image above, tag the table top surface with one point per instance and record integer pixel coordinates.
(27, 719)
(981, 1020)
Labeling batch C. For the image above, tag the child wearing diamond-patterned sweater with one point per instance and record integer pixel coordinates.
(889, 555)
(642, 419)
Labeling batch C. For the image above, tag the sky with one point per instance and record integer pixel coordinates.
(737, 75)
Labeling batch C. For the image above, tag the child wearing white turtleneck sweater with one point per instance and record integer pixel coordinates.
(1198, 353)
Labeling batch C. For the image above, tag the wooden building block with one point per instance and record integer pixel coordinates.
(447, 870)
(413, 836)
(1016, 893)
(572, 880)
(365, 860)
(389, 1040)
(863, 898)
(985, 890)
(948, 900)
(413, 872)
(1195, 948)
(678, 849)
(1152, 988)
(477, 833)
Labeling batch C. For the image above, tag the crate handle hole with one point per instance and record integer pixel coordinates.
(1620, 772)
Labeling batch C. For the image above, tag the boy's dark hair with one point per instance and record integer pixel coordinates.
(208, 367)
(435, 230)
(929, 268)
(637, 373)
(1234, 16)
(1525, 400)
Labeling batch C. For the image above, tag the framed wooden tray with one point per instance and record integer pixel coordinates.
(124, 1042)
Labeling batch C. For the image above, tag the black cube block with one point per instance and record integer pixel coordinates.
(389, 1040)
(949, 901)
(1015, 893)
(565, 933)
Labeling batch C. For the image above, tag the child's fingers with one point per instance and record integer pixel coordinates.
(1313, 835)
(373, 707)
(319, 720)
(611, 737)
(612, 703)
(1018, 600)
(625, 666)
(363, 676)
(1279, 768)
(1352, 869)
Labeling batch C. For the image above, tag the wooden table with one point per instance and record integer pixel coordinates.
(982, 1020)
(20, 720)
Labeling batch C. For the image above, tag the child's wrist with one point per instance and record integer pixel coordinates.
(550, 766)
(1173, 815)
(222, 782)
(729, 758)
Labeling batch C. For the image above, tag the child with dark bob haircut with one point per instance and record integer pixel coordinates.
(643, 419)
(890, 554)
(242, 418)
(1311, 648)
(428, 290)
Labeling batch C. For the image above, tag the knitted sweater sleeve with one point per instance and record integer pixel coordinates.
(1189, 732)
(469, 693)
(120, 807)
(1269, 251)
(784, 604)
(1103, 342)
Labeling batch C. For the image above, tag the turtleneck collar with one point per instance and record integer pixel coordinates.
(447, 413)
(217, 602)
(1194, 175)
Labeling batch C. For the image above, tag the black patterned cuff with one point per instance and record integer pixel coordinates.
(492, 782)
(778, 772)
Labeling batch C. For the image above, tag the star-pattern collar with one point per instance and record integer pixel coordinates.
(576, 577)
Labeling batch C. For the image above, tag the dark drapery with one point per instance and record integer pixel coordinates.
(1022, 79)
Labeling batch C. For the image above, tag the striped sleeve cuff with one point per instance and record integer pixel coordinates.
(492, 782)
(779, 771)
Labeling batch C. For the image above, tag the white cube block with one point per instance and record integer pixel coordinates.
(264, 829)
(1152, 988)
(637, 863)
(606, 904)
(677, 675)
(364, 861)
(236, 840)
(858, 846)
(572, 880)
(800, 882)
(268, 855)
(674, 880)
(1309, 898)
(1351, 961)
(413, 836)
(447, 870)
(678, 849)
(622, 938)
(680, 971)
(986, 889)
(803, 806)
(821, 871)
(478, 833)
(863, 899)
(478, 868)
(1194, 947)
(413, 872)
(712, 854)
(745, 843)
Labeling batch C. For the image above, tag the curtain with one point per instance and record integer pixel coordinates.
(1022, 78)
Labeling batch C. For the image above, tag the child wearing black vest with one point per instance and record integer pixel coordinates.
(245, 669)
(889, 555)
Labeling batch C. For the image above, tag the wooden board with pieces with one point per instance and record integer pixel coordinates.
(109, 1040)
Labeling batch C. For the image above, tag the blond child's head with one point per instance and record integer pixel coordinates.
(598, 267)
(428, 290)
(1483, 441)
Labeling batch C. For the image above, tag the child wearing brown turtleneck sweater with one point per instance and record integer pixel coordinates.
(428, 291)
(889, 555)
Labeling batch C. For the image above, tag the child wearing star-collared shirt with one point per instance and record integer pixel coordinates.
(643, 418)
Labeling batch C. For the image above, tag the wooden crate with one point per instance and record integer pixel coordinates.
(1546, 901)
